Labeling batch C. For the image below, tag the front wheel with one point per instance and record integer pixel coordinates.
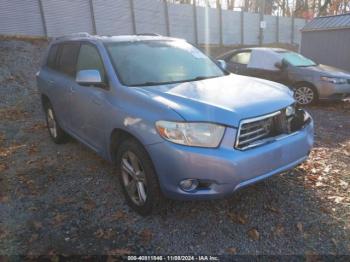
(138, 178)
(56, 132)
(305, 95)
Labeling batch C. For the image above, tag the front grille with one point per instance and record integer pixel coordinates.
(253, 131)
(256, 131)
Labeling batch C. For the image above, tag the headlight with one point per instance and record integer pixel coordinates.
(334, 80)
(191, 134)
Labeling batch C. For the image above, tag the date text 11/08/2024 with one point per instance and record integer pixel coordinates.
(173, 258)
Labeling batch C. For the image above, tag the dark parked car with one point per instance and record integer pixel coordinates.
(310, 81)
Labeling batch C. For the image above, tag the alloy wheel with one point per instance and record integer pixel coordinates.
(304, 95)
(134, 178)
(51, 122)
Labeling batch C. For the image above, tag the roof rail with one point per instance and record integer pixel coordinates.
(80, 34)
(149, 34)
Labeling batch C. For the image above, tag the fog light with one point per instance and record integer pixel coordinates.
(188, 184)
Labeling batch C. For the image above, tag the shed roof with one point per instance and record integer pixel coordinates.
(328, 23)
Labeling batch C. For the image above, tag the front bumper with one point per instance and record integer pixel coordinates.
(226, 168)
(331, 91)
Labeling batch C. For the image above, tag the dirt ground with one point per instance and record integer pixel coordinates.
(64, 199)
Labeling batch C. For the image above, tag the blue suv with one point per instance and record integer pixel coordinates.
(173, 121)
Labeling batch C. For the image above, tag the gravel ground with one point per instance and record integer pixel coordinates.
(64, 199)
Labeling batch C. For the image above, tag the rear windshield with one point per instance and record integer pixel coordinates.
(146, 63)
(296, 59)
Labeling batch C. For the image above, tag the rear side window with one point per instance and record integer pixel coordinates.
(68, 58)
(51, 59)
(89, 58)
(241, 58)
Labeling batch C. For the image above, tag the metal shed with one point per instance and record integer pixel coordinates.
(326, 40)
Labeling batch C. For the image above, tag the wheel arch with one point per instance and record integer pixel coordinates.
(118, 135)
(44, 100)
(309, 84)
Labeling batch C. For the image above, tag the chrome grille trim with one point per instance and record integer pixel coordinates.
(259, 122)
(252, 132)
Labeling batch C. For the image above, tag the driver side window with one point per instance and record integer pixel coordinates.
(241, 58)
(89, 58)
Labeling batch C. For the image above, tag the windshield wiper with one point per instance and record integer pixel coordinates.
(201, 78)
(307, 65)
(150, 83)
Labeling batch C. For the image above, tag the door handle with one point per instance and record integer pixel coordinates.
(72, 90)
(51, 82)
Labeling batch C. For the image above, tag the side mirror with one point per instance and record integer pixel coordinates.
(89, 77)
(279, 65)
(222, 64)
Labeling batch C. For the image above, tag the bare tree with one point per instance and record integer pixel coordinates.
(230, 4)
(297, 8)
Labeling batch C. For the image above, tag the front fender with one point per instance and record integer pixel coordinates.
(136, 113)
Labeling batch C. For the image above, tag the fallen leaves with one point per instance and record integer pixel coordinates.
(4, 233)
(105, 234)
(271, 209)
(300, 227)
(12, 113)
(33, 238)
(29, 184)
(58, 219)
(89, 205)
(5, 152)
(254, 234)
(238, 218)
(92, 168)
(33, 149)
(4, 199)
(337, 199)
(3, 167)
(118, 215)
(64, 200)
(231, 250)
(344, 184)
(347, 152)
(278, 230)
(99, 233)
(37, 225)
(35, 127)
(323, 173)
(2, 138)
(146, 235)
(11, 78)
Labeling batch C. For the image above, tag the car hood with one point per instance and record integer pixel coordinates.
(328, 71)
(225, 100)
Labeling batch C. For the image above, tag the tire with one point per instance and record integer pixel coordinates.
(138, 178)
(58, 135)
(305, 94)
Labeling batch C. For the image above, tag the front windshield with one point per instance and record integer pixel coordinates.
(296, 59)
(143, 63)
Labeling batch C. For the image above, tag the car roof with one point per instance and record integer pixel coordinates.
(273, 49)
(119, 38)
